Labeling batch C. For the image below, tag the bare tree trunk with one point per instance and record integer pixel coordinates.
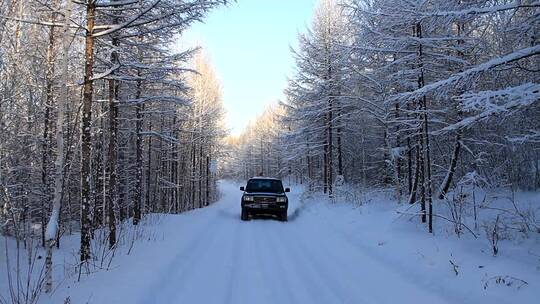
(112, 161)
(98, 211)
(325, 166)
(121, 205)
(409, 156)
(160, 174)
(388, 163)
(330, 148)
(414, 185)
(451, 171)
(426, 187)
(86, 144)
(174, 171)
(201, 202)
(49, 103)
(422, 182)
(183, 192)
(427, 162)
(398, 155)
(428, 167)
(309, 169)
(138, 165)
(443, 189)
(193, 163)
(114, 87)
(52, 226)
(207, 180)
(149, 171)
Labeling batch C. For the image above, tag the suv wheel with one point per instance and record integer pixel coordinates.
(244, 216)
(283, 216)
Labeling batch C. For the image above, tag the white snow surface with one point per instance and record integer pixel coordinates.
(326, 253)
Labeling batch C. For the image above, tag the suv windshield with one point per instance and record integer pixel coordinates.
(264, 185)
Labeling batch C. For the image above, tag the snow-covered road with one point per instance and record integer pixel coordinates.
(220, 259)
(211, 256)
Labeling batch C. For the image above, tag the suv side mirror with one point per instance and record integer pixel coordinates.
(242, 188)
(287, 189)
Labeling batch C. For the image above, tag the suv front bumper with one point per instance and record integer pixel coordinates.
(265, 207)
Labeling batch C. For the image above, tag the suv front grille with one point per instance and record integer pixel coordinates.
(264, 199)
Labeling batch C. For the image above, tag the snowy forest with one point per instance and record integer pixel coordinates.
(425, 97)
(100, 120)
(104, 123)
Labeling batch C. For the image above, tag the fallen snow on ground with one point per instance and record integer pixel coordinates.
(326, 253)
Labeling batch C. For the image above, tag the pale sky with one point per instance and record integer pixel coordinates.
(248, 44)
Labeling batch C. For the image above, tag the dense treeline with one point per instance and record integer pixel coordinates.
(100, 121)
(421, 96)
(258, 151)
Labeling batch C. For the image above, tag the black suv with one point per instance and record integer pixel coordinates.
(264, 195)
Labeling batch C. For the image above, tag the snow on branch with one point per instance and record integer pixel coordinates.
(117, 3)
(106, 73)
(533, 136)
(489, 103)
(37, 22)
(127, 23)
(483, 10)
(161, 98)
(162, 136)
(463, 77)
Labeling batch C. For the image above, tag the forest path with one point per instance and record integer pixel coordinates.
(220, 259)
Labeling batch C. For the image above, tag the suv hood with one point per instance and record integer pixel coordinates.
(265, 193)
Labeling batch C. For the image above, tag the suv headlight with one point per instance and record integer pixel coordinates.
(248, 198)
(281, 199)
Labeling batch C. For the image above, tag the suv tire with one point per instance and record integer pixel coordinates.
(245, 215)
(283, 216)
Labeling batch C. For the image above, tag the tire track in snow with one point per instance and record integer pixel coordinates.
(262, 260)
(340, 278)
(294, 284)
(232, 283)
(270, 263)
(181, 265)
(316, 283)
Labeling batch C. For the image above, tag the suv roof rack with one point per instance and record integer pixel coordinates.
(264, 177)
